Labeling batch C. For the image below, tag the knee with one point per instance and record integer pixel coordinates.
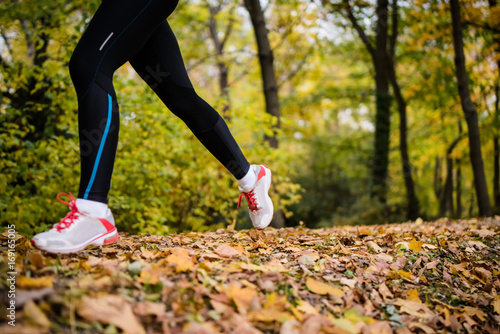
(78, 66)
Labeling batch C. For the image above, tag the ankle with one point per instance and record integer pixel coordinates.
(93, 208)
(248, 181)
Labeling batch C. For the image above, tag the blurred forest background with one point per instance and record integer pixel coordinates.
(354, 105)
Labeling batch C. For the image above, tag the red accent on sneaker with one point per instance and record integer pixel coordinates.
(262, 173)
(112, 239)
(107, 225)
(71, 216)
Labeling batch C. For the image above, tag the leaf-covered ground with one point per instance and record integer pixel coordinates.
(422, 277)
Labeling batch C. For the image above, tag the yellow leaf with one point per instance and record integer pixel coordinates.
(471, 311)
(496, 305)
(405, 274)
(149, 277)
(353, 316)
(413, 296)
(25, 282)
(181, 259)
(241, 297)
(269, 315)
(416, 246)
(306, 308)
(322, 288)
(34, 316)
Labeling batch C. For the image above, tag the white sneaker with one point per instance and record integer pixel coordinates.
(259, 203)
(77, 230)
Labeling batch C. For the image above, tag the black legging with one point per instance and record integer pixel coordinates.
(136, 31)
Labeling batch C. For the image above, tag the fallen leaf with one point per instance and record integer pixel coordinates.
(34, 316)
(483, 233)
(385, 292)
(413, 296)
(472, 311)
(268, 315)
(322, 288)
(306, 307)
(379, 327)
(291, 326)
(496, 304)
(224, 250)
(426, 329)
(413, 308)
(374, 247)
(37, 260)
(415, 246)
(180, 257)
(23, 296)
(242, 297)
(110, 309)
(149, 308)
(29, 283)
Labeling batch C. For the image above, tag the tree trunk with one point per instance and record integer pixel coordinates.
(270, 85)
(458, 176)
(470, 113)
(496, 123)
(266, 61)
(383, 106)
(413, 206)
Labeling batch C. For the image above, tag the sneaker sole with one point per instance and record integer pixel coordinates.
(106, 238)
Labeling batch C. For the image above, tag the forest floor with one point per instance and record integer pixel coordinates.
(420, 277)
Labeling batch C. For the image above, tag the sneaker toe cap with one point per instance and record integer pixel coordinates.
(264, 221)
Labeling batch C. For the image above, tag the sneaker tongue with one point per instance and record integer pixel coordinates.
(246, 189)
(84, 210)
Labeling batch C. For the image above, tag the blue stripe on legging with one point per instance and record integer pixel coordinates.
(101, 147)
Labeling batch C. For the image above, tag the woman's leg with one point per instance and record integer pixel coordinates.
(160, 64)
(117, 31)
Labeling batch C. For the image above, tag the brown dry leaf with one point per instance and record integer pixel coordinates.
(374, 247)
(224, 250)
(110, 309)
(34, 316)
(322, 288)
(37, 260)
(385, 292)
(29, 283)
(24, 296)
(399, 264)
(426, 329)
(413, 308)
(197, 328)
(149, 308)
(379, 327)
(275, 265)
(483, 233)
(181, 259)
(415, 246)
(291, 326)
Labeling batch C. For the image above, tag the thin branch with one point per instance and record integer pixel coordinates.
(394, 35)
(359, 30)
(298, 68)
